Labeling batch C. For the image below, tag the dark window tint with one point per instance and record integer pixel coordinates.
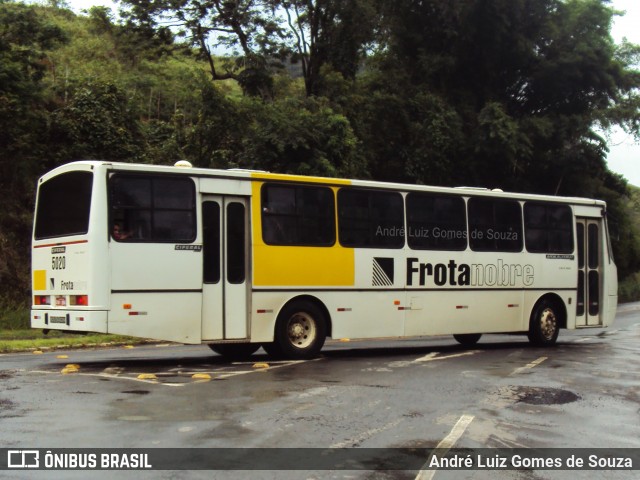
(211, 242)
(298, 215)
(152, 209)
(580, 299)
(594, 293)
(236, 243)
(495, 225)
(64, 203)
(593, 243)
(580, 231)
(548, 228)
(436, 222)
(370, 218)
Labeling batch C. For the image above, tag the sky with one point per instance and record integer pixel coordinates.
(624, 151)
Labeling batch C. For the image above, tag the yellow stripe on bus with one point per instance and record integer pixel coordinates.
(303, 266)
(39, 279)
(293, 266)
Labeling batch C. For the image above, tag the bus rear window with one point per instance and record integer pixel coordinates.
(64, 203)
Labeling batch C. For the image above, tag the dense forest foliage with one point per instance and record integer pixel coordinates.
(510, 94)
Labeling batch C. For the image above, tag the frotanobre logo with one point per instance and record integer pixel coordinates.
(382, 272)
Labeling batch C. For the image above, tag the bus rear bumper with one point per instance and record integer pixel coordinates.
(70, 320)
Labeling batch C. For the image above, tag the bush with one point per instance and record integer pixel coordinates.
(629, 289)
(14, 319)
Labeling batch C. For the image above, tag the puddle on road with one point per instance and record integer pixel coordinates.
(517, 394)
(544, 395)
(137, 392)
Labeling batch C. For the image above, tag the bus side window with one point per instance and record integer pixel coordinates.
(548, 228)
(152, 208)
(436, 222)
(370, 218)
(299, 215)
(495, 225)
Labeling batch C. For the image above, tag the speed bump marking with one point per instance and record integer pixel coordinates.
(70, 368)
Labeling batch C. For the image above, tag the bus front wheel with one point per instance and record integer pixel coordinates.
(544, 325)
(301, 329)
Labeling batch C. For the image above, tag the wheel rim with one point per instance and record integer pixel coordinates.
(301, 330)
(548, 323)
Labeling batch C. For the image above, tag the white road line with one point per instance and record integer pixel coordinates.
(271, 367)
(448, 442)
(113, 377)
(426, 358)
(366, 435)
(122, 375)
(529, 366)
(434, 356)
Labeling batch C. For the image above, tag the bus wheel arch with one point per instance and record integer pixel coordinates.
(548, 316)
(467, 339)
(301, 328)
(235, 351)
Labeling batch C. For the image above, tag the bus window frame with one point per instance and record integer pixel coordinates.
(472, 222)
(465, 224)
(402, 217)
(265, 214)
(570, 228)
(40, 211)
(152, 209)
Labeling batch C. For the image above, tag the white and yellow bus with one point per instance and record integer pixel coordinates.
(241, 259)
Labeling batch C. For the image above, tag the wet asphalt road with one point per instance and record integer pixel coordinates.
(584, 392)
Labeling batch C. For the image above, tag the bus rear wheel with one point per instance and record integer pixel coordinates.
(235, 351)
(544, 325)
(301, 329)
(467, 339)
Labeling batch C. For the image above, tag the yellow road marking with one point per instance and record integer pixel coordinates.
(529, 366)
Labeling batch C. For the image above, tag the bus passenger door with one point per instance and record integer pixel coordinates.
(589, 237)
(225, 268)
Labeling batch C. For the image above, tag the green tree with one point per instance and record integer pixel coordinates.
(24, 39)
(97, 124)
(529, 83)
(529, 79)
(245, 27)
(291, 135)
(325, 35)
(303, 136)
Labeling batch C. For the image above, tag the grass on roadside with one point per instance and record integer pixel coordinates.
(30, 340)
(16, 336)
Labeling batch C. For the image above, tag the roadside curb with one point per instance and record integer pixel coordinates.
(81, 346)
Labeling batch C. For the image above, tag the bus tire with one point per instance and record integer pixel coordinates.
(301, 329)
(235, 351)
(467, 339)
(544, 325)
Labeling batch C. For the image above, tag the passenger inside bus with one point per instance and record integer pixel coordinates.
(119, 233)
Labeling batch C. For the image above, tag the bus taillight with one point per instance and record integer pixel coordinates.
(42, 300)
(79, 300)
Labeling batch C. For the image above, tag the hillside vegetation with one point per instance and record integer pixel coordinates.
(501, 94)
